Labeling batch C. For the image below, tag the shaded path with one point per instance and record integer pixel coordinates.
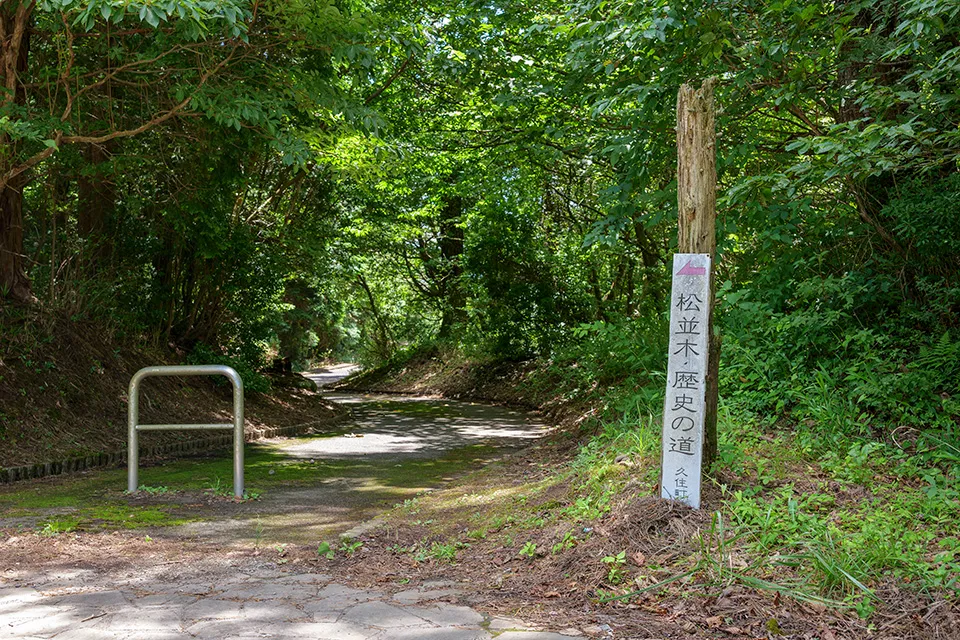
(390, 448)
(213, 600)
(325, 376)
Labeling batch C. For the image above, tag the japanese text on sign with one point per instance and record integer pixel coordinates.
(683, 413)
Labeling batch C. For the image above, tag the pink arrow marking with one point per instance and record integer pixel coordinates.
(690, 270)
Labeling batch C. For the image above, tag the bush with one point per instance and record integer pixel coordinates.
(244, 364)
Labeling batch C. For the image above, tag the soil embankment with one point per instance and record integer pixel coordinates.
(63, 399)
(523, 384)
(431, 372)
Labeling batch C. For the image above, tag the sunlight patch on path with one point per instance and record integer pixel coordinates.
(395, 447)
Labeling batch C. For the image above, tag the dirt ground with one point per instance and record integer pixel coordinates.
(705, 601)
(506, 534)
(558, 590)
(686, 584)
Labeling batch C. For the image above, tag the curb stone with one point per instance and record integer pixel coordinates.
(119, 458)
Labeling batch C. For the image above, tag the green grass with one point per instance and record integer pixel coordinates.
(831, 522)
(842, 521)
(108, 516)
(127, 517)
(834, 521)
(97, 500)
(818, 500)
(56, 526)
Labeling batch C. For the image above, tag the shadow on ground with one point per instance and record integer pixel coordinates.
(303, 490)
(155, 590)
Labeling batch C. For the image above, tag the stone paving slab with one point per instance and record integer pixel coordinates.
(412, 596)
(531, 635)
(226, 598)
(241, 605)
(435, 634)
(449, 615)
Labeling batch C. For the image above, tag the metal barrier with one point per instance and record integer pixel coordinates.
(134, 428)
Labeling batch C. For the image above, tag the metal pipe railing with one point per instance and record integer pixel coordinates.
(134, 427)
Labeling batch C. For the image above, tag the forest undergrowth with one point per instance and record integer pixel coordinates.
(64, 381)
(835, 485)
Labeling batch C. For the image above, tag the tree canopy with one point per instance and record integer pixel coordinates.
(306, 178)
(494, 184)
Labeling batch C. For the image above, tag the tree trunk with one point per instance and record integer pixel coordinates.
(594, 279)
(96, 200)
(382, 337)
(14, 49)
(697, 211)
(451, 253)
(14, 283)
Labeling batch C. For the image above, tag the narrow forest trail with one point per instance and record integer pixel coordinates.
(304, 489)
(390, 449)
(222, 574)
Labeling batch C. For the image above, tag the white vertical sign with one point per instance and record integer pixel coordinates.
(683, 411)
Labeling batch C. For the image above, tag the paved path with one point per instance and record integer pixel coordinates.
(211, 603)
(223, 598)
(330, 374)
(382, 433)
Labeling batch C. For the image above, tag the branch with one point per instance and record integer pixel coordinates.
(390, 81)
(127, 32)
(800, 115)
(126, 133)
(106, 78)
(20, 19)
(65, 75)
(36, 159)
(414, 277)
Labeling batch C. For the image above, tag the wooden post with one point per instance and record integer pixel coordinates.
(697, 212)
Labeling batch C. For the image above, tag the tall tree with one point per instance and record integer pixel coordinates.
(96, 73)
(51, 75)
